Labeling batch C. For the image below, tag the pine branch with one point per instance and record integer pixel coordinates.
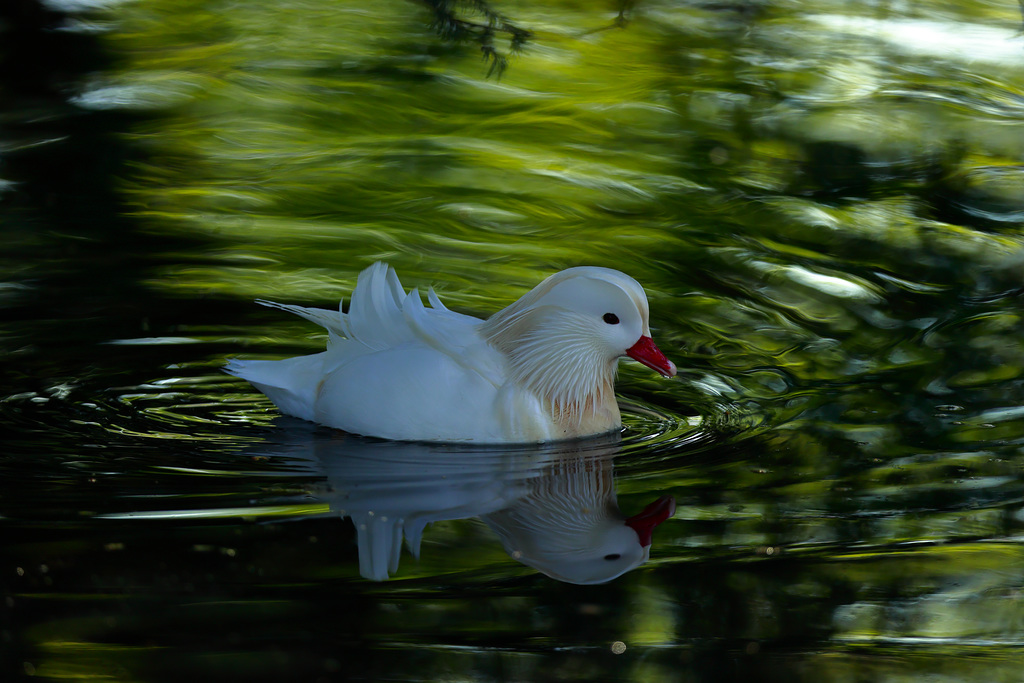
(453, 23)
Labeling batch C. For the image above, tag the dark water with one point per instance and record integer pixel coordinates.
(823, 200)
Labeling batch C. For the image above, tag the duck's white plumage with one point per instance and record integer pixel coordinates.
(542, 369)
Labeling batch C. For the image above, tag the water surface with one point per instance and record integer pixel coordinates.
(823, 201)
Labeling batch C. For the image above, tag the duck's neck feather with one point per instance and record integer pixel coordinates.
(547, 355)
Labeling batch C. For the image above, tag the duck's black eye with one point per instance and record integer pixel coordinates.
(611, 318)
(612, 557)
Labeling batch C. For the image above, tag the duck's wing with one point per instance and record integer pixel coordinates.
(382, 316)
(454, 335)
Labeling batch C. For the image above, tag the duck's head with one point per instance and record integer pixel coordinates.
(573, 327)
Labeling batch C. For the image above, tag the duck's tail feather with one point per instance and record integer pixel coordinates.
(292, 384)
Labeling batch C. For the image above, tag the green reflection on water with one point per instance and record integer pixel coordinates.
(824, 207)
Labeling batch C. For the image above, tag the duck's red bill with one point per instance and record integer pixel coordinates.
(645, 351)
(653, 515)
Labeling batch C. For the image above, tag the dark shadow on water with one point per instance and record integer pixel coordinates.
(75, 261)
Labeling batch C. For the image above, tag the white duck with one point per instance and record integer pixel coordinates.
(542, 369)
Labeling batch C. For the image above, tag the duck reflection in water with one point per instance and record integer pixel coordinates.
(552, 508)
